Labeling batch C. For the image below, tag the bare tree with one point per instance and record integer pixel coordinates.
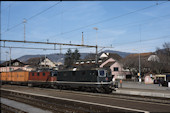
(164, 56)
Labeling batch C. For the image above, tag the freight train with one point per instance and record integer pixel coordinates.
(96, 80)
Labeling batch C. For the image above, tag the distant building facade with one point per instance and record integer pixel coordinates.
(12, 65)
(41, 62)
(111, 61)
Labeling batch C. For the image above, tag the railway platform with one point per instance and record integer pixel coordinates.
(136, 88)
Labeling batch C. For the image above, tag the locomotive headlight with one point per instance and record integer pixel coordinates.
(106, 78)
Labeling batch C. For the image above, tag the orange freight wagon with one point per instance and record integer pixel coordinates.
(15, 77)
(20, 76)
(4, 76)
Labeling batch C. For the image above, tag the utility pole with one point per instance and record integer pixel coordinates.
(10, 63)
(60, 49)
(6, 60)
(96, 46)
(24, 28)
(45, 59)
(95, 28)
(139, 55)
(139, 68)
(96, 56)
(10, 58)
(82, 39)
(6, 63)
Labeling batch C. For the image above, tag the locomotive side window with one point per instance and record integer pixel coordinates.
(102, 73)
(73, 73)
(83, 73)
(32, 74)
(38, 74)
(43, 74)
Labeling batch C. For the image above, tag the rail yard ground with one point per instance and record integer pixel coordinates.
(137, 88)
(73, 101)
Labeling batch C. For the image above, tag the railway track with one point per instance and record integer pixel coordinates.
(40, 102)
(9, 109)
(58, 105)
(75, 101)
(112, 95)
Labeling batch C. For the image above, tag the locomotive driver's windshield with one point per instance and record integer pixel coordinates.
(102, 73)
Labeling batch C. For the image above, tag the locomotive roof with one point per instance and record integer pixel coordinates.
(81, 69)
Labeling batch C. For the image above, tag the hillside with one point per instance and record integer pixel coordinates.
(60, 57)
(122, 54)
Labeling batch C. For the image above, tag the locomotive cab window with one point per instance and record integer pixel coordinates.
(53, 73)
(101, 73)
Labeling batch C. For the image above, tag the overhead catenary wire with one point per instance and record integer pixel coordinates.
(36, 48)
(43, 11)
(120, 44)
(146, 21)
(52, 43)
(162, 37)
(137, 22)
(35, 15)
(109, 19)
(8, 17)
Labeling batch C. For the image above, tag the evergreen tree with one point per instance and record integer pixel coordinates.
(68, 58)
(71, 57)
(76, 55)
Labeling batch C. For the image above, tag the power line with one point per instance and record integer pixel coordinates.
(43, 11)
(136, 22)
(8, 17)
(34, 48)
(52, 43)
(109, 19)
(32, 17)
(163, 37)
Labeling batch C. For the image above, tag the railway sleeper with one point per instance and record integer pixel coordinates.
(54, 105)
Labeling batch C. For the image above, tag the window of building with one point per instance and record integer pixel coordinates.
(82, 62)
(100, 61)
(88, 62)
(16, 64)
(77, 62)
(116, 69)
(93, 61)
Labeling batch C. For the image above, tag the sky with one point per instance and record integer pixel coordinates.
(127, 26)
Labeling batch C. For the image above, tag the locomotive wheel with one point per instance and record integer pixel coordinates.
(100, 90)
(30, 85)
(108, 90)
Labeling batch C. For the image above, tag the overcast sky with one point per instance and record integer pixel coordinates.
(121, 24)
